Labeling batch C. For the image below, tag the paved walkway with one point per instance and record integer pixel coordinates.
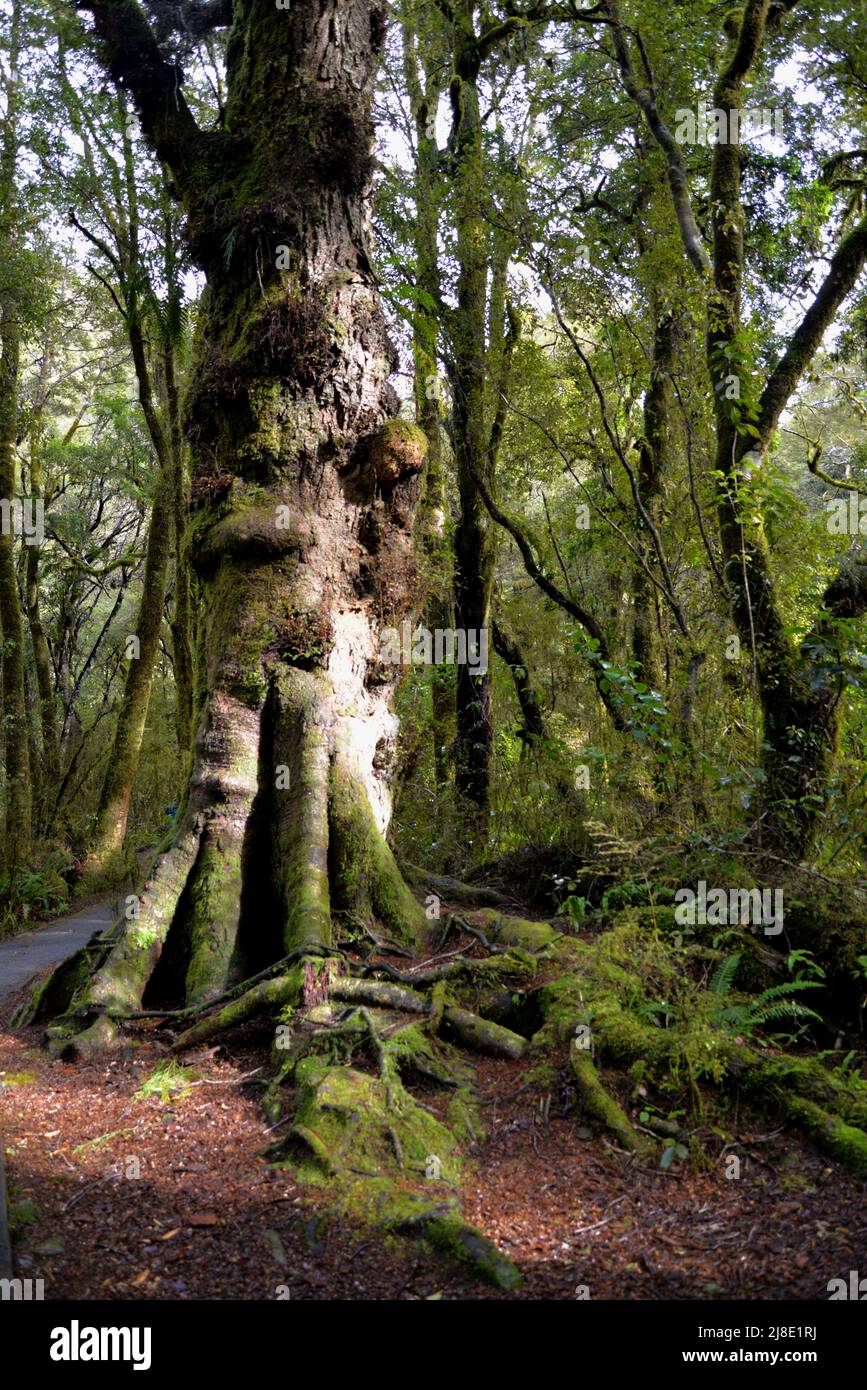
(21, 956)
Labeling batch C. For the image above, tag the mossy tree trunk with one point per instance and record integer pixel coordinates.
(474, 542)
(425, 53)
(50, 750)
(799, 696)
(533, 731)
(303, 496)
(18, 807)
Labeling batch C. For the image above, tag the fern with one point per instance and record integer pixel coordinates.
(770, 1006)
(724, 976)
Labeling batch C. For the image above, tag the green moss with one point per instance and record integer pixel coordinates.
(624, 986)
(655, 918)
(513, 931)
(22, 1213)
(477, 980)
(449, 1232)
(836, 1138)
(215, 904)
(398, 449)
(67, 1040)
(366, 1126)
(601, 1106)
(366, 878)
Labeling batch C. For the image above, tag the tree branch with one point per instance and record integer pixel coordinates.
(136, 63)
(587, 621)
(846, 265)
(677, 182)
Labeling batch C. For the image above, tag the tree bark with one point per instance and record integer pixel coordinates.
(17, 827)
(474, 542)
(303, 497)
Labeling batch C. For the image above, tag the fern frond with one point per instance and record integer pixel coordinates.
(724, 976)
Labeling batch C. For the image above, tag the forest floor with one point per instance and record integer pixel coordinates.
(206, 1218)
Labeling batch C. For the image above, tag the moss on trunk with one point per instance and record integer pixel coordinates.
(366, 878)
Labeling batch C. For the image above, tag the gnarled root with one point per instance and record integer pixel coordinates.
(483, 1036)
(267, 995)
(600, 1105)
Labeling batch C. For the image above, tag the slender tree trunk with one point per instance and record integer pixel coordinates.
(50, 769)
(105, 857)
(800, 703)
(796, 686)
(474, 539)
(18, 808)
(651, 471)
(533, 731)
(435, 545)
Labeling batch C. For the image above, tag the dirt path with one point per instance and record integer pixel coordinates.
(32, 951)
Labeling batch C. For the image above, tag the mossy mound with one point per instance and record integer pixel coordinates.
(513, 931)
(347, 1122)
(399, 449)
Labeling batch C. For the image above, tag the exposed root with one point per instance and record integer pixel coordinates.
(355, 1034)
(612, 990)
(268, 994)
(382, 995)
(600, 1105)
(301, 818)
(484, 1036)
(364, 872)
(452, 890)
(447, 1231)
(832, 1135)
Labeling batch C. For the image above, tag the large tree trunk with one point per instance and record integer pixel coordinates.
(303, 497)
